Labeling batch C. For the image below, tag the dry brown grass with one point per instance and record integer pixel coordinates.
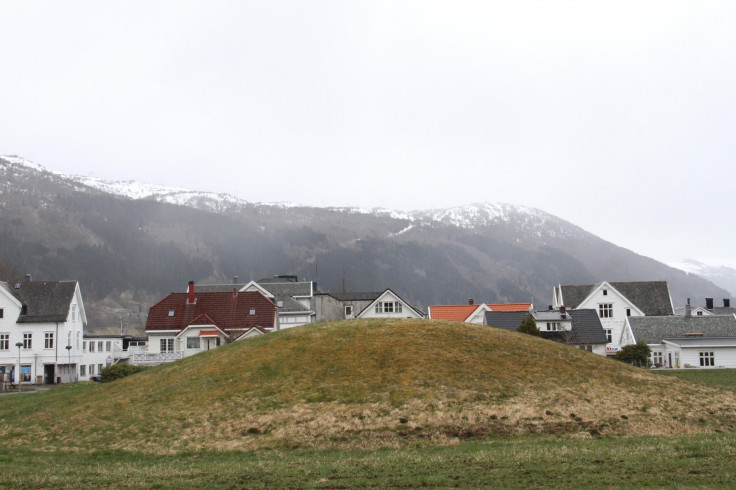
(369, 384)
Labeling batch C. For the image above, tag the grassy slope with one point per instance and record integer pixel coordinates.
(366, 384)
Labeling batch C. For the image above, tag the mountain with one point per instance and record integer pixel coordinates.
(720, 274)
(129, 244)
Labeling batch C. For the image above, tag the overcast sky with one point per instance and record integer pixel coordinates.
(618, 116)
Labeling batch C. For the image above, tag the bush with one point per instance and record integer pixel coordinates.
(529, 326)
(120, 370)
(636, 354)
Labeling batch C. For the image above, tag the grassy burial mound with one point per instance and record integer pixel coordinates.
(366, 384)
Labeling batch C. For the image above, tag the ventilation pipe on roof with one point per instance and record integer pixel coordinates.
(190, 291)
(688, 309)
(236, 279)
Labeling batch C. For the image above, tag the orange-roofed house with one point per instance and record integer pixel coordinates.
(472, 313)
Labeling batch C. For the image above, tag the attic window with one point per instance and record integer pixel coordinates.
(171, 312)
(252, 312)
(605, 292)
(2, 313)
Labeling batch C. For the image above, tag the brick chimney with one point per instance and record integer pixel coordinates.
(688, 309)
(709, 303)
(562, 309)
(190, 292)
(471, 302)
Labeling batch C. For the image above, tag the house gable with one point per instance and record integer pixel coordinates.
(386, 306)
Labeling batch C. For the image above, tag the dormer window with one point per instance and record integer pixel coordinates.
(252, 312)
(171, 312)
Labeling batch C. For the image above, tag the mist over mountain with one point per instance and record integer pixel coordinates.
(129, 244)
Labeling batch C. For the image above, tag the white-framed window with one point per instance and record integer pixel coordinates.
(27, 340)
(605, 292)
(91, 347)
(78, 334)
(108, 345)
(192, 342)
(99, 368)
(74, 312)
(91, 369)
(167, 345)
(252, 312)
(82, 370)
(707, 359)
(658, 359)
(2, 313)
(699, 313)
(605, 310)
(388, 307)
(4, 341)
(348, 311)
(609, 335)
(628, 311)
(84, 346)
(48, 340)
(99, 345)
(171, 312)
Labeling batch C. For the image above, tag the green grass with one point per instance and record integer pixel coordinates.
(519, 462)
(720, 378)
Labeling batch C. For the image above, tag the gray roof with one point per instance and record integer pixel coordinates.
(652, 329)
(704, 342)
(586, 326)
(651, 297)
(352, 296)
(43, 301)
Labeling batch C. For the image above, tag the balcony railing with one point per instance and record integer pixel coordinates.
(154, 358)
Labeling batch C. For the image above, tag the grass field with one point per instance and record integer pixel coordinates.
(378, 404)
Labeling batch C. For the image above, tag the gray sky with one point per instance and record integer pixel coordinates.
(618, 116)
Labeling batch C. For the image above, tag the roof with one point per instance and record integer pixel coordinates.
(44, 301)
(283, 291)
(353, 296)
(226, 310)
(704, 342)
(416, 310)
(509, 306)
(586, 326)
(454, 313)
(652, 329)
(651, 297)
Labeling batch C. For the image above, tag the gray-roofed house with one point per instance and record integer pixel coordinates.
(707, 341)
(346, 305)
(47, 319)
(615, 302)
(578, 328)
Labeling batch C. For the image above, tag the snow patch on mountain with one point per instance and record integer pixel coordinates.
(718, 270)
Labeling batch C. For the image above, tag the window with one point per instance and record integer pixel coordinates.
(348, 311)
(99, 346)
(2, 313)
(388, 307)
(171, 312)
(605, 310)
(707, 359)
(252, 312)
(84, 346)
(108, 346)
(4, 341)
(82, 370)
(628, 311)
(99, 368)
(27, 340)
(48, 340)
(91, 347)
(167, 345)
(25, 373)
(657, 359)
(609, 335)
(554, 326)
(699, 313)
(91, 369)
(605, 292)
(192, 342)
(74, 312)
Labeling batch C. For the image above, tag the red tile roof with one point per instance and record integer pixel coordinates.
(509, 306)
(227, 311)
(455, 313)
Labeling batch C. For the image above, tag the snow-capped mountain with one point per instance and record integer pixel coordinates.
(721, 272)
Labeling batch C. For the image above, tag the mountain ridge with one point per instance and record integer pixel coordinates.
(129, 252)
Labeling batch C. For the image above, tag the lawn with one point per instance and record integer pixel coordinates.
(721, 378)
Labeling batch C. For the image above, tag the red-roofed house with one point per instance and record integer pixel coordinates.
(472, 313)
(184, 324)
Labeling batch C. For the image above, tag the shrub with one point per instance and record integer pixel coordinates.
(636, 354)
(529, 326)
(120, 370)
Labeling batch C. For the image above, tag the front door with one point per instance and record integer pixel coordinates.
(48, 374)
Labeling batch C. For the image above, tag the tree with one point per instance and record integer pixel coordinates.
(636, 354)
(9, 272)
(528, 326)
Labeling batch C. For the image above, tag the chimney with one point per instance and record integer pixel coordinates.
(562, 309)
(470, 301)
(708, 303)
(550, 307)
(190, 291)
(235, 292)
(688, 309)
(726, 302)
(236, 279)
(28, 278)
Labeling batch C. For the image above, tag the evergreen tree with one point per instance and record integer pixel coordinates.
(528, 326)
(636, 354)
